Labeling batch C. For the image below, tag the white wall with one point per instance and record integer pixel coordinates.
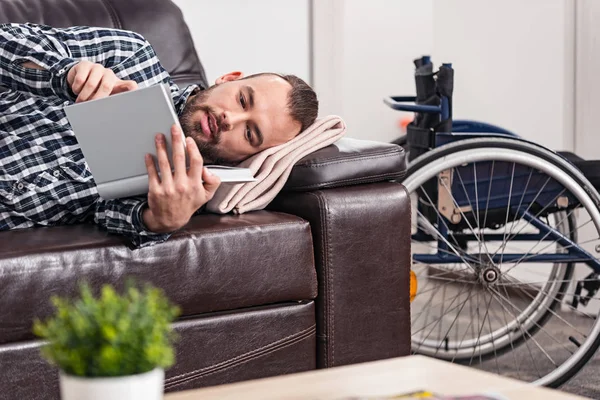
(514, 64)
(364, 52)
(587, 139)
(250, 35)
(587, 106)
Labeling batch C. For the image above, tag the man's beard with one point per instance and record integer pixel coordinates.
(208, 149)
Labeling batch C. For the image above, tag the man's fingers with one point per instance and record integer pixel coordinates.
(196, 160)
(211, 182)
(106, 85)
(153, 181)
(124, 86)
(178, 152)
(163, 161)
(71, 75)
(80, 75)
(91, 84)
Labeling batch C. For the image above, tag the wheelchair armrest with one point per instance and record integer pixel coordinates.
(348, 162)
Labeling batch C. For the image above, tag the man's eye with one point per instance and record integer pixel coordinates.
(242, 101)
(249, 134)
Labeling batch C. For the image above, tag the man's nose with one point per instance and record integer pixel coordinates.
(231, 119)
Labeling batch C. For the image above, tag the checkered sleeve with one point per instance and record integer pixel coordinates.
(124, 217)
(56, 51)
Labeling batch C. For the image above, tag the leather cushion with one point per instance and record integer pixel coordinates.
(159, 21)
(246, 350)
(362, 256)
(252, 343)
(215, 263)
(348, 162)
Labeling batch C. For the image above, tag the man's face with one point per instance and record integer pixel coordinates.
(237, 118)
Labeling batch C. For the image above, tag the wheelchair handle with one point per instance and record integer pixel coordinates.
(398, 103)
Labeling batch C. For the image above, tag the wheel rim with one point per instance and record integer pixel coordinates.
(550, 291)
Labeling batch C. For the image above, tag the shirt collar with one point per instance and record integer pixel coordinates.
(182, 98)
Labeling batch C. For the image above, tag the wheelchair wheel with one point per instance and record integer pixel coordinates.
(499, 267)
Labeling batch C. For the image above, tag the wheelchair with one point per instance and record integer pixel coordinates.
(505, 242)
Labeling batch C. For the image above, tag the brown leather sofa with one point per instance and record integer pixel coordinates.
(320, 279)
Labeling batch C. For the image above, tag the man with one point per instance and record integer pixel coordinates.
(44, 179)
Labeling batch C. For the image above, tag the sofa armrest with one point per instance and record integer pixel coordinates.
(348, 162)
(361, 237)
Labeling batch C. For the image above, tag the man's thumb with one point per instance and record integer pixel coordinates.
(124, 86)
(211, 181)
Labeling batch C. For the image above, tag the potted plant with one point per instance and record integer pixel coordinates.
(112, 346)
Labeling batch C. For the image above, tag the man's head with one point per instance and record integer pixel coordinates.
(239, 117)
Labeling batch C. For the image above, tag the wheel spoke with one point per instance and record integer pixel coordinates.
(479, 236)
(431, 228)
(550, 310)
(433, 307)
(528, 334)
(512, 347)
(471, 259)
(528, 256)
(512, 177)
(479, 333)
(514, 221)
(492, 335)
(489, 195)
(447, 282)
(470, 326)
(535, 216)
(449, 190)
(455, 251)
(523, 332)
(529, 252)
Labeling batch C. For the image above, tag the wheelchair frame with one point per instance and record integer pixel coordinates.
(466, 129)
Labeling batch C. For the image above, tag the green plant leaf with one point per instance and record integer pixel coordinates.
(112, 334)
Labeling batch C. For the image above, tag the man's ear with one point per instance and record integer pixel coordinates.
(232, 76)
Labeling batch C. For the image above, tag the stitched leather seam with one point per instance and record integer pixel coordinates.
(354, 181)
(241, 359)
(209, 232)
(113, 14)
(331, 274)
(408, 257)
(324, 255)
(328, 281)
(170, 385)
(244, 355)
(345, 159)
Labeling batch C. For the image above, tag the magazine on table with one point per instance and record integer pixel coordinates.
(426, 395)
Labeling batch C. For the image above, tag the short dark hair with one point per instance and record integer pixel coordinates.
(302, 100)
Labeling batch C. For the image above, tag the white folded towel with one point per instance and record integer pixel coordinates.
(272, 167)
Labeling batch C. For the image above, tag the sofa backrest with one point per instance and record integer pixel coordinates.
(159, 21)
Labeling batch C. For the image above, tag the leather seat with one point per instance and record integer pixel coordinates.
(242, 270)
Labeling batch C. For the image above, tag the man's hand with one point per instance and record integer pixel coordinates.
(91, 81)
(175, 196)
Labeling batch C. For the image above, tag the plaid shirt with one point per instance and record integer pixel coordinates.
(44, 179)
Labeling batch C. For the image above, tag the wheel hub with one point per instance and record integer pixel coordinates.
(489, 275)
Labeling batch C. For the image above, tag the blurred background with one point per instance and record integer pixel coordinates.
(526, 65)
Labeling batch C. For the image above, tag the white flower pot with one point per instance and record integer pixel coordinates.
(146, 386)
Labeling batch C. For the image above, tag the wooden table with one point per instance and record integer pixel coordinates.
(386, 377)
